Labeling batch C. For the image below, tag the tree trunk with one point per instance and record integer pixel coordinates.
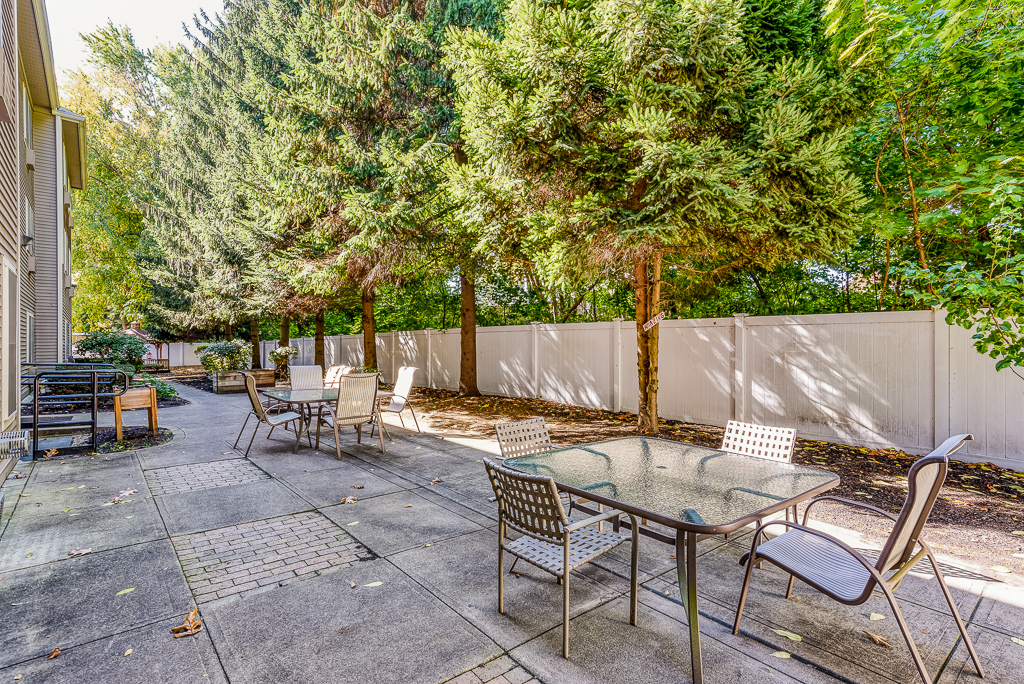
(283, 341)
(318, 340)
(254, 340)
(369, 331)
(467, 366)
(227, 332)
(647, 284)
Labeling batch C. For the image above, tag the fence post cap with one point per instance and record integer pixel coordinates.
(740, 315)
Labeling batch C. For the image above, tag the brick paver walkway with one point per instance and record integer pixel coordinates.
(240, 558)
(187, 478)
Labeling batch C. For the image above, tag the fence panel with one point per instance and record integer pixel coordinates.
(505, 360)
(575, 364)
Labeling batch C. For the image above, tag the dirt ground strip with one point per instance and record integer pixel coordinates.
(978, 512)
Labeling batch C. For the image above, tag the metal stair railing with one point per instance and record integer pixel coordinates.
(98, 380)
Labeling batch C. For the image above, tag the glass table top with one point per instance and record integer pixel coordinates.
(680, 482)
(305, 396)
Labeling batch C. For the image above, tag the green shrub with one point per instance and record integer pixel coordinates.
(115, 347)
(226, 356)
(282, 355)
(164, 390)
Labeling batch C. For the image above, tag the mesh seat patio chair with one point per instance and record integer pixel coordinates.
(400, 400)
(529, 505)
(761, 441)
(845, 575)
(356, 405)
(262, 415)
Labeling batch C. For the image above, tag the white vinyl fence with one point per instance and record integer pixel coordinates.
(903, 379)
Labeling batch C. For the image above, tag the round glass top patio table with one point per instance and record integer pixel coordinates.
(305, 398)
(694, 490)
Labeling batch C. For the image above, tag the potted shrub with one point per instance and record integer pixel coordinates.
(223, 360)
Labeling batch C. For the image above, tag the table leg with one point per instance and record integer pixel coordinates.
(686, 569)
(300, 430)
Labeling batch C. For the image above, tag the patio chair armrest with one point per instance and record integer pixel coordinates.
(613, 513)
(807, 511)
(817, 533)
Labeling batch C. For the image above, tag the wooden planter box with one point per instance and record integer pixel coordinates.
(225, 382)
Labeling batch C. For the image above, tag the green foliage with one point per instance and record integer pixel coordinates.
(164, 390)
(282, 355)
(226, 356)
(115, 347)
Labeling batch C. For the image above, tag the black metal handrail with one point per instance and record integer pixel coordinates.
(107, 376)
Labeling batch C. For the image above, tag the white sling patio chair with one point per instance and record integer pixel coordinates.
(260, 411)
(846, 576)
(400, 400)
(306, 377)
(529, 505)
(356, 405)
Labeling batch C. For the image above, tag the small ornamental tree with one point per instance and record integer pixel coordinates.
(115, 347)
(644, 131)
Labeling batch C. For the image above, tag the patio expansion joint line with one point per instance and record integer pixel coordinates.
(94, 553)
(219, 460)
(743, 632)
(105, 637)
(956, 643)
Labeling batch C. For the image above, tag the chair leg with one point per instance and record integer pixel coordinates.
(359, 433)
(743, 594)
(380, 433)
(956, 614)
(253, 439)
(272, 430)
(337, 442)
(789, 587)
(634, 571)
(565, 604)
(514, 561)
(242, 430)
(501, 576)
(906, 634)
(318, 423)
(400, 419)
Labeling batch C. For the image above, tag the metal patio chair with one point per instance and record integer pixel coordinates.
(400, 400)
(523, 438)
(529, 505)
(262, 416)
(356, 405)
(843, 574)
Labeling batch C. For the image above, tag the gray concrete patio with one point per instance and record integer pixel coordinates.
(295, 586)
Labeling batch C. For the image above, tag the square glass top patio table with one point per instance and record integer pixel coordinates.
(694, 490)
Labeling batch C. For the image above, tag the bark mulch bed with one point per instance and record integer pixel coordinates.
(976, 515)
(105, 405)
(135, 437)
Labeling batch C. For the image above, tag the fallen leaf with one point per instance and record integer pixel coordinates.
(128, 492)
(67, 489)
(353, 584)
(426, 545)
(788, 635)
(357, 486)
(30, 554)
(407, 506)
(79, 552)
(1021, 532)
(353, 524)
(125, 591)
(66, 510)
(349, 500)
(24, 495)
(1000, 568)
(128, 517)
(1019, 642)
(373, 584)
(876, 616)
(881, 641)
(53, 654)
(17, 677)
(780, 654)
(127, 653)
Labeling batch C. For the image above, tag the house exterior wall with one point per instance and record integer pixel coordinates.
(11, 161)
(48, 289)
